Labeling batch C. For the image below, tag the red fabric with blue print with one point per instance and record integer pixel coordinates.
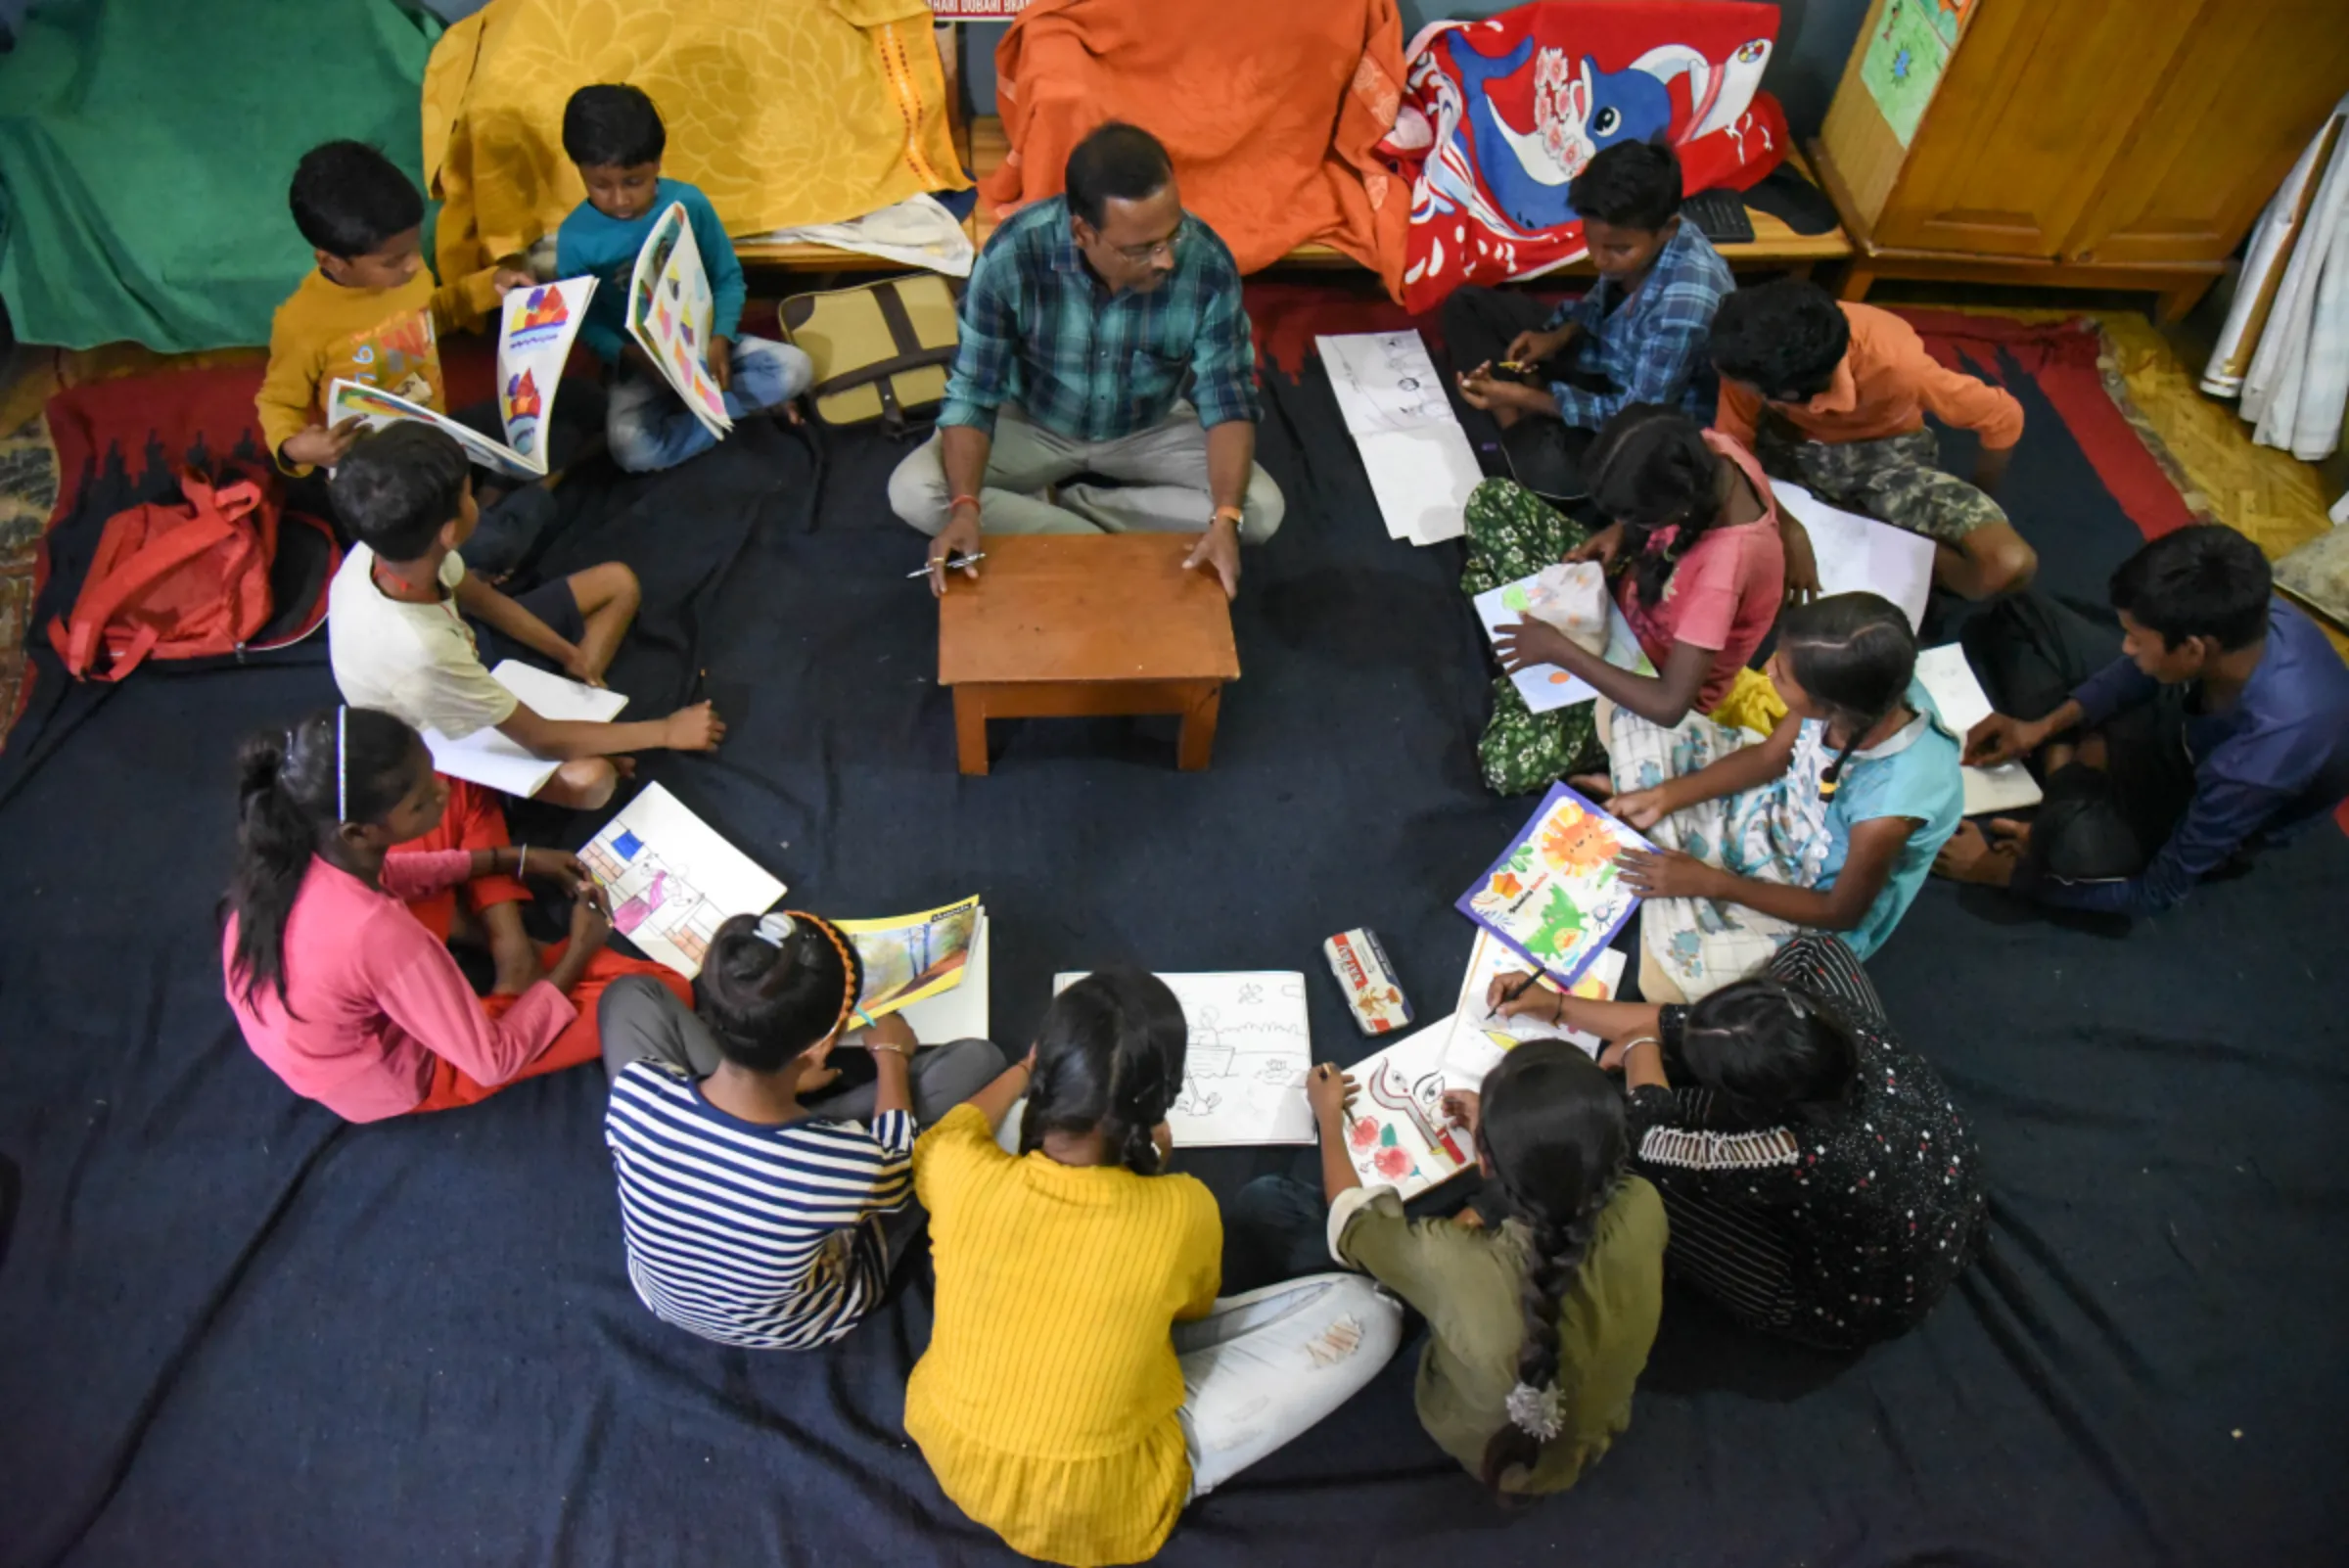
(1500, 116)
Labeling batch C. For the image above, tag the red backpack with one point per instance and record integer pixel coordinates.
(184, 579)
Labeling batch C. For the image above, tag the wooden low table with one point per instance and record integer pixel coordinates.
(1084, 626)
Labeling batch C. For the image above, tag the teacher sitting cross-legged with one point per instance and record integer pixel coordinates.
(1081, 322)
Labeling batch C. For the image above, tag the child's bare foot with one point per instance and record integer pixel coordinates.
(1597, 786)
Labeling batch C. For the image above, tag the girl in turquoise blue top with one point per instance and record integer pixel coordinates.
(1829, 824)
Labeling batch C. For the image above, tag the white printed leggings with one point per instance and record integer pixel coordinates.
(1261, 1368)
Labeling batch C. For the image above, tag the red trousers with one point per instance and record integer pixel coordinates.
(476, 819)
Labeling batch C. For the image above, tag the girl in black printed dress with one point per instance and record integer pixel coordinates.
(1818, 1180)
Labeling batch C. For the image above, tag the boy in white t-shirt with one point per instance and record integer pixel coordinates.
(397, 634)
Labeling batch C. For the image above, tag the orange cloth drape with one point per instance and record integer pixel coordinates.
(1270, 112)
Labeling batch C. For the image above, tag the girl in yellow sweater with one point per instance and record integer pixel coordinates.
(1083, 1380)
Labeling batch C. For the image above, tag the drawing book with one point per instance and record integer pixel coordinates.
(1479, 1040)
(670, 311)
(1555, 896)
(535, 333)
(1858, 553)
(1949, 680)
(1243, 1079)
(1547, 687)
(909, 957)
(1417, 458)
(1395, 1130)
(487, 757)
(673, 880)
(962, 1011)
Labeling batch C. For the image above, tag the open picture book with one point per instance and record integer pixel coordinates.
(670, 315)
(1555, 898)
(1250, 1046)
(1397, 1133)
(1547, 687)
(674, 879)
(910, 958)
(536, 329)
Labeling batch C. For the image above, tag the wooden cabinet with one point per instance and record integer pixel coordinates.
(2079, 142)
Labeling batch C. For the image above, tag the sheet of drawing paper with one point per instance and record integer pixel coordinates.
(1945, 674)
(376, 408)
(668, 315)
(960, 1011)
(1479, 1040)
(673, 880)
(535, 329)
(1555, 896)
(1395, 1130)
(1859, 553)
(909, 957)
(1547, 687)
(1421, 463)
(488, 758)
(1250, 1046)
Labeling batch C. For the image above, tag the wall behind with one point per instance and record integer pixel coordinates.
(1814, 37)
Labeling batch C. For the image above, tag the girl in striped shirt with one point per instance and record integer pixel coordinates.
(755, 1212)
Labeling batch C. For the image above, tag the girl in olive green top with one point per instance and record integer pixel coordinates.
(1538, 1327)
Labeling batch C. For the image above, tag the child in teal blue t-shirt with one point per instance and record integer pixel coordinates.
(615, 135)
(1830, 824)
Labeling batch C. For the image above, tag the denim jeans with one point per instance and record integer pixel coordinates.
(650, 427)
(1261, 1368)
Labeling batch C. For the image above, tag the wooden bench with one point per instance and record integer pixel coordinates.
(1084, 626)
(1775, 248)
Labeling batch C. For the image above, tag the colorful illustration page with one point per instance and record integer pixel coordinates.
(1395, 1131)
(672, 880)
(1480, 1039)
(908, 957)
(1555, 896)
(668, 315)
(1547, 687)
(1244, 1072)
(376, 408)
(533, 340)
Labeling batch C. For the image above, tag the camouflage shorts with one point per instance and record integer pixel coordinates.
(1893, 478)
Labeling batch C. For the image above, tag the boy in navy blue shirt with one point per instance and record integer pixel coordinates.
(615, 135)
(2225, 719)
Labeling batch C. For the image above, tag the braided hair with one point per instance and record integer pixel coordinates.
(1854, 655)
(295, 788)
(773, 986)
(1552, 1129)
(1650, 470)
(1770, 1051)
(1110, 1056)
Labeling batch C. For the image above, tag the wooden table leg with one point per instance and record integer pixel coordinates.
(1198, 743)
(970, 729)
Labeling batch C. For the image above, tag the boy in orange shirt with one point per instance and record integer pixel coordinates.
(1835, 398)
(371, 314)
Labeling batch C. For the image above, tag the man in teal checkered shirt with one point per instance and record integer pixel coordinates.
(1081, 322)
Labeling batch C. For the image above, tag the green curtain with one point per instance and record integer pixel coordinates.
(146, 145)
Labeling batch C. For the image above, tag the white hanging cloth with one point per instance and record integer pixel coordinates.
(2293, 295)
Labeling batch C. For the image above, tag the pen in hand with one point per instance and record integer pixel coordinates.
(953, 562)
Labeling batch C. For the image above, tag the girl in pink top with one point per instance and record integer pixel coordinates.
(336, 986)
(1698, 564)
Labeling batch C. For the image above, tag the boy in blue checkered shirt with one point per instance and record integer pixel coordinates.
(1638, 337)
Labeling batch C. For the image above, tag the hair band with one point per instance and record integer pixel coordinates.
(774, 928)
(342, 769)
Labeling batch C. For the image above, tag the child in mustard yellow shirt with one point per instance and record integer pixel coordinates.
(372, 313)
(1084, 1381)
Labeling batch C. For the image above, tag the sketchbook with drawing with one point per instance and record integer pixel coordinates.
(1243, 1078)
(669, 314)
(909, 958)
(1480, 1039)
(1547, 687)
(1414, 452)
(535, 329)
(1946, 676)
(1555, 896)
(672, 880)
(1395, 1131)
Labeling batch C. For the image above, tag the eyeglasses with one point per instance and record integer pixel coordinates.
(1139, 254)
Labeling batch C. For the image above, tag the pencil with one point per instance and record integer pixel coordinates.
(1520, 989)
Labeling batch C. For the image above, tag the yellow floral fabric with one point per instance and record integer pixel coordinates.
(783, 112)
